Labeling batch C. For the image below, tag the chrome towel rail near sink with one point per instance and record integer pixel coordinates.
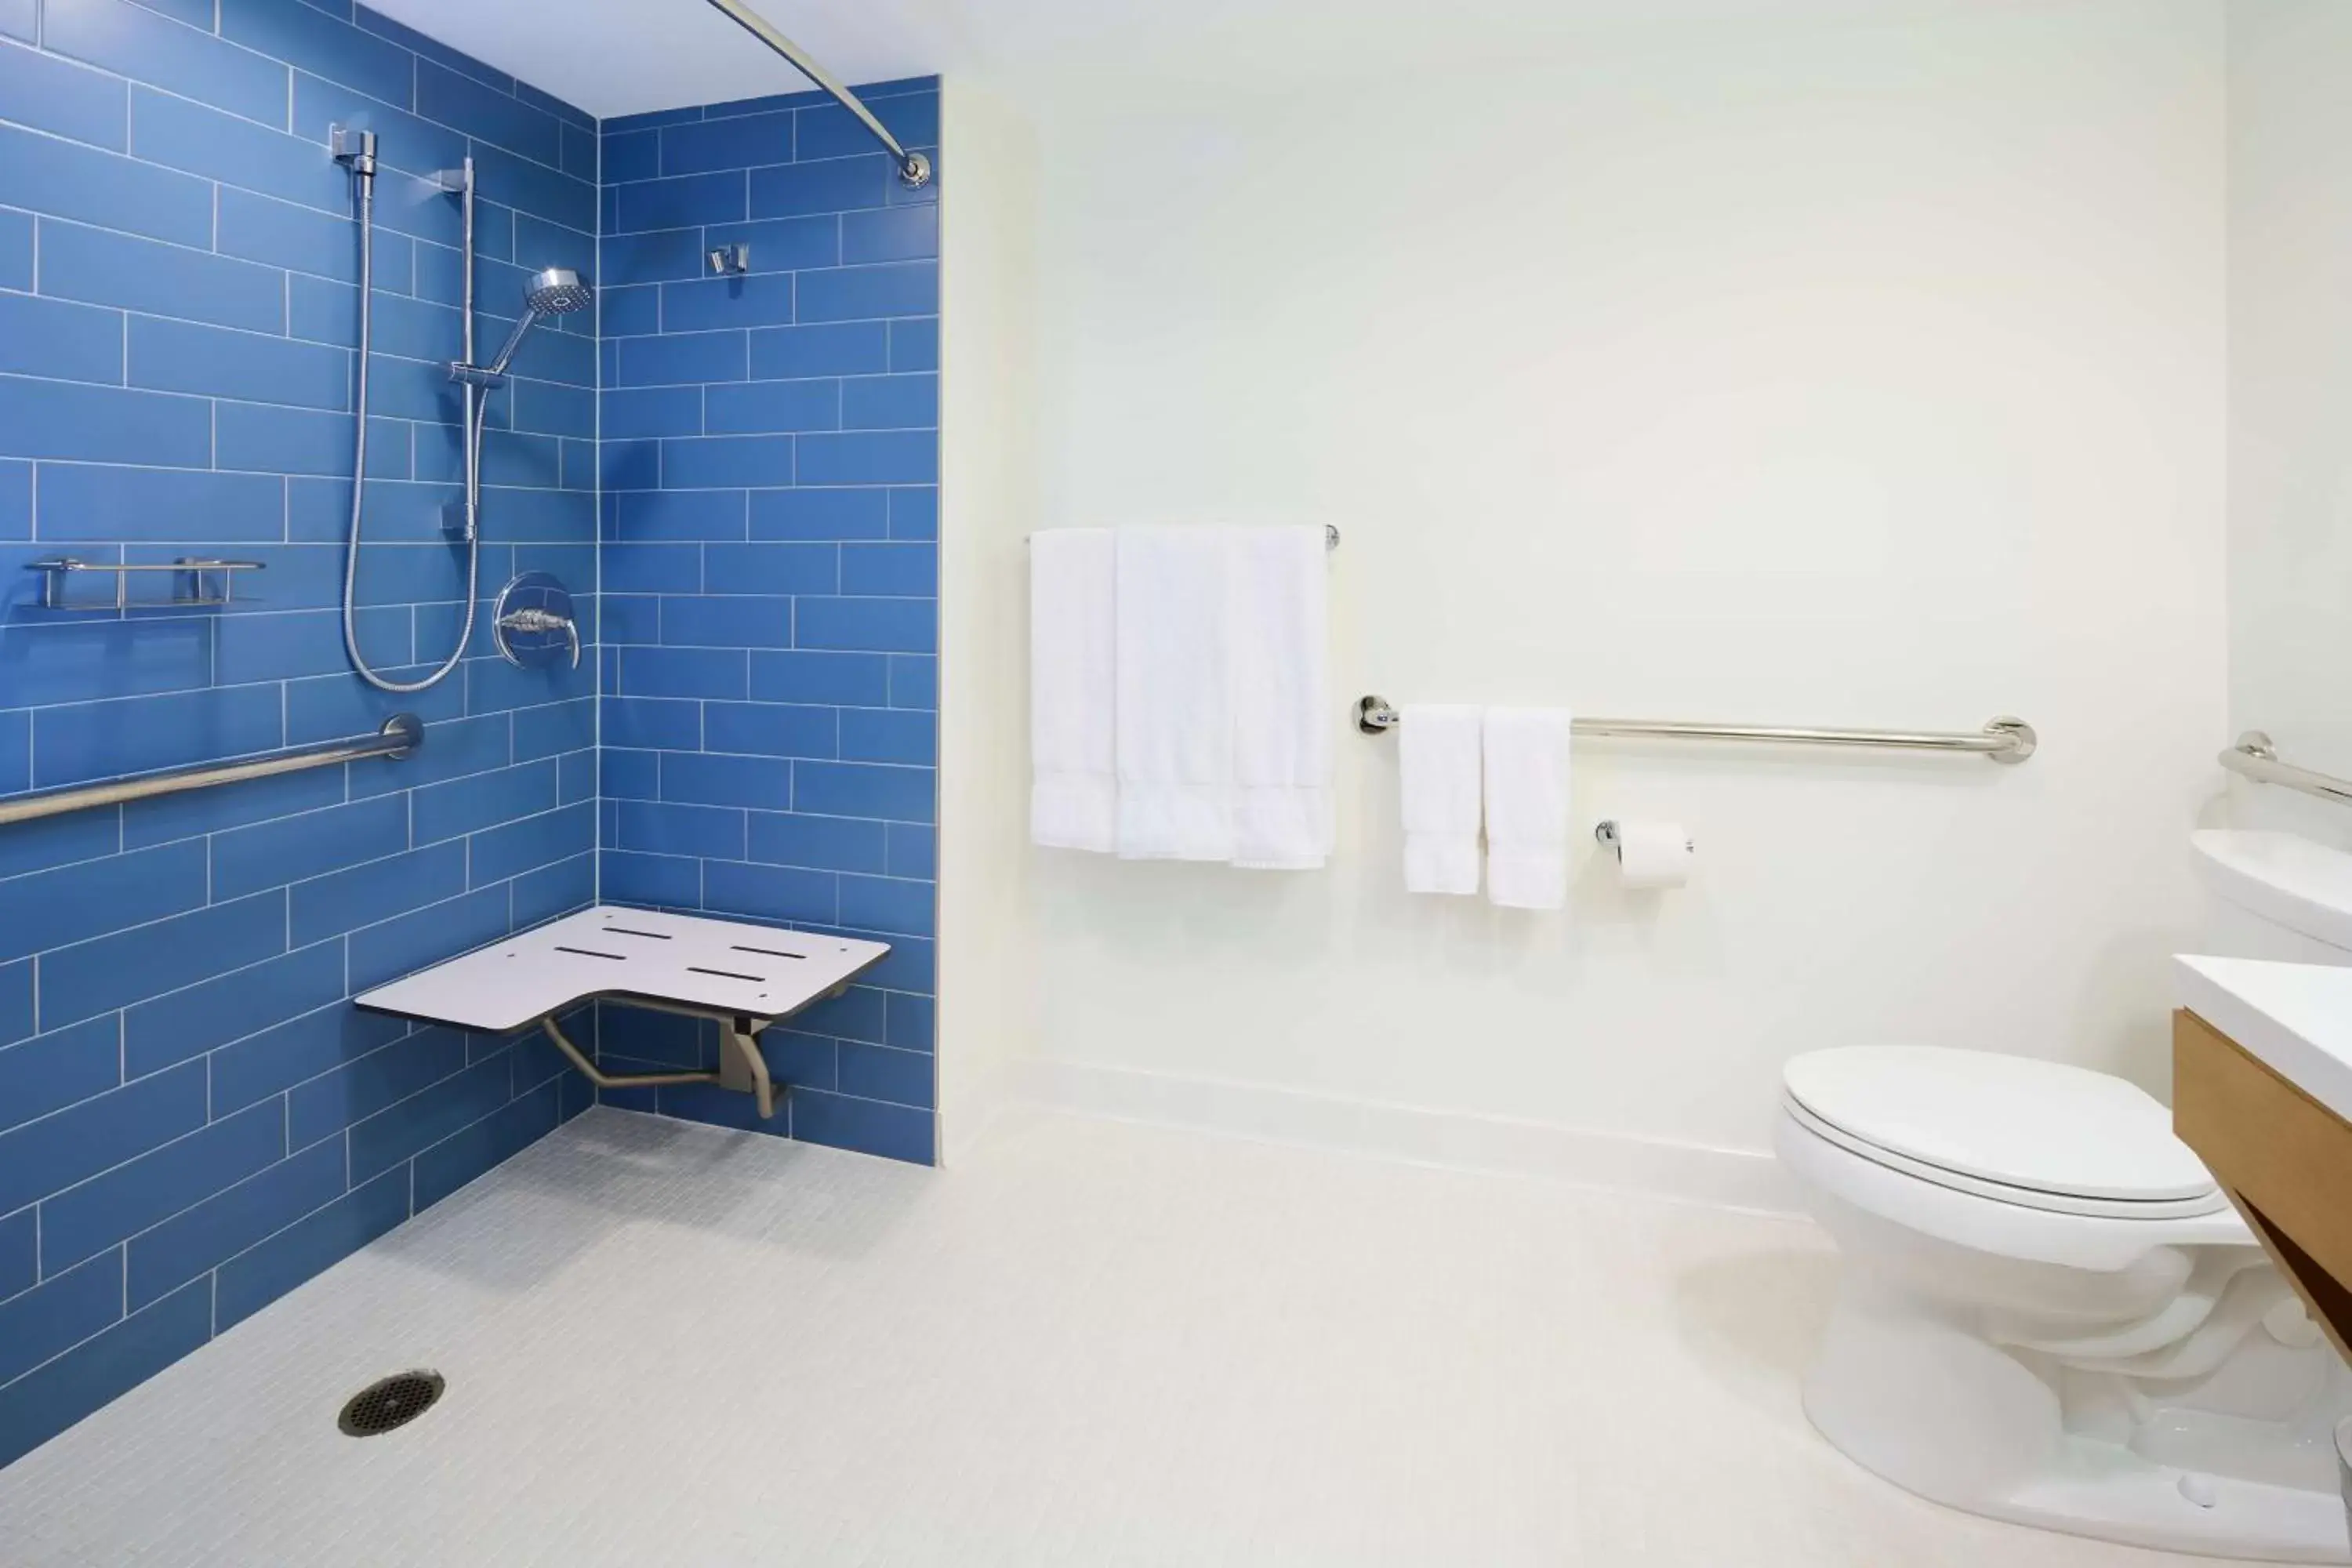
(2255, 758)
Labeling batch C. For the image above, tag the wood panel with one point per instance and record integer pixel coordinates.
(2284, 1159)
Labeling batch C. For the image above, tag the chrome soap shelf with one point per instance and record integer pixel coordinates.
(197, 583)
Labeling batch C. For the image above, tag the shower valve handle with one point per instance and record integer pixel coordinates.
(535, 620)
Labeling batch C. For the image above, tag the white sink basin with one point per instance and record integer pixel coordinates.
(2290, 881)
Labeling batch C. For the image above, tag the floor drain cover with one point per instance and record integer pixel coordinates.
(389, 1402)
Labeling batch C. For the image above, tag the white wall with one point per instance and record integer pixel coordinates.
(988, 948)
(2291, 397)
(1823, 373)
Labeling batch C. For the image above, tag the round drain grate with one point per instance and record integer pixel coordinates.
(389, 1402)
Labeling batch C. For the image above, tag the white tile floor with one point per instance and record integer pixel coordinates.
(1092, 1344)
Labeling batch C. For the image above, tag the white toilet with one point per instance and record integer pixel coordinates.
(2047, 1310)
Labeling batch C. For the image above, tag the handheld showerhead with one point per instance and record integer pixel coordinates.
(557, 292)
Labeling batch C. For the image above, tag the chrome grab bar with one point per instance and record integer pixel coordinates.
(2004, 739)
(2255, 758)
(402, 734)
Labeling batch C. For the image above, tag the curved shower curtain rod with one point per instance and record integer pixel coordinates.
(914, 169)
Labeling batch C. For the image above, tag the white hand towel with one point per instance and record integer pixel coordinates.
(1279, 618)
(1175, 695)
(1438, 773)
(1526, 807)
(1074, 785)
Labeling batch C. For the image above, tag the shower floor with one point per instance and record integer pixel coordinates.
(1090, 1343)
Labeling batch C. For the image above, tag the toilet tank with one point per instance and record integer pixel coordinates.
(2274, 895)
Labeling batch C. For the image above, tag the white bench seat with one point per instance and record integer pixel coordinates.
(743, 976)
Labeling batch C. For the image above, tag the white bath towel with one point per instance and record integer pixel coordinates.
(1175, 694)
(1073, 650)
(1438, 768)
(1278, 617)
(1526, 807)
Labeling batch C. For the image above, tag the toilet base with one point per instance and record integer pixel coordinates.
(2109, 1493)
(2142, 1504)
(1952, 1418)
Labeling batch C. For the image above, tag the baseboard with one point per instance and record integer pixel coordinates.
(971, 1109)
(1725, 1178)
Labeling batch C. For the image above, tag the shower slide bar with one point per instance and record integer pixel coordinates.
(400, 735)
(2255, 758)
(914, 169)
(2003, 740)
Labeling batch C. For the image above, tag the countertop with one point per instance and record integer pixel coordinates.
(2295, 1018)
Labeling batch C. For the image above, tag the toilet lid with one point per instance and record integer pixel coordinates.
(2024, 1124)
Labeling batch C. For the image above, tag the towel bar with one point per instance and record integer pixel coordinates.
(1330, 537)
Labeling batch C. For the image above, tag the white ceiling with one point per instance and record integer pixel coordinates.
(625, 56)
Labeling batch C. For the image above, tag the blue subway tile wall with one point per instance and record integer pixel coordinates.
(770, 581)
(194, 1120)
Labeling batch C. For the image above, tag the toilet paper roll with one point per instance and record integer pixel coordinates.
(1653, 854)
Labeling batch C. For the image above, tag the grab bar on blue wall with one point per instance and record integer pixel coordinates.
(402, 734)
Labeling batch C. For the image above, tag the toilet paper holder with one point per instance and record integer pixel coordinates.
(1604, 833)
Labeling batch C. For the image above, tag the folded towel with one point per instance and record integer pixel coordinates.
(1526, 807)
(1277, 616)
(1074, 787)
(1438, 770)
(1175, 694)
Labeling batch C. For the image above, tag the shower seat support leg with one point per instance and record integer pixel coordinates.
(741, 1067)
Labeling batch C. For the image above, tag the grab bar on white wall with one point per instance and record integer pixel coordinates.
(2004, 739)
(2255, 758)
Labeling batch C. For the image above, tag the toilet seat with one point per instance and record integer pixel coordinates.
(1939, 1208)
(2009, 1129)
(1997, 1192)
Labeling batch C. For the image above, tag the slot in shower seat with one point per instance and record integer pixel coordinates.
(743, 977)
